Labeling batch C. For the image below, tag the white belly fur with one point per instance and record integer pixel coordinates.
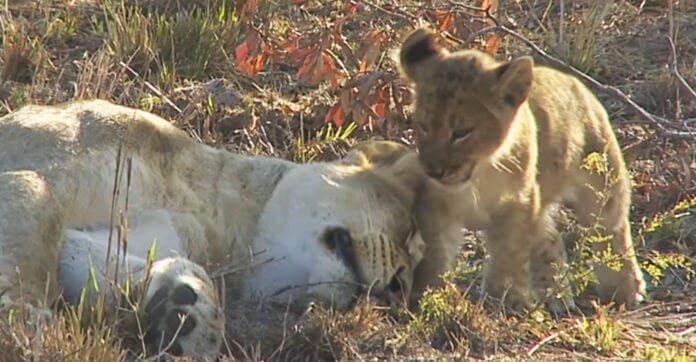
(85, 249)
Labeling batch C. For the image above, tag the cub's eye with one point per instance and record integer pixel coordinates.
(461, 135)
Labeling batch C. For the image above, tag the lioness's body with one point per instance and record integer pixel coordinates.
(325, 230)
(506, 143)
(66, 156)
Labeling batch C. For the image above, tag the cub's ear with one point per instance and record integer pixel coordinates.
(514, 81)
(419, 47)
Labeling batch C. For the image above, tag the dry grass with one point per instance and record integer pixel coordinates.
(177, 59)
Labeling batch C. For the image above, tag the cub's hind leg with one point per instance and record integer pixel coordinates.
(30, 236)
(602, 203)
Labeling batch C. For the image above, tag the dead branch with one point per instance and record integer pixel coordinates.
(664, 127)
(675, 70)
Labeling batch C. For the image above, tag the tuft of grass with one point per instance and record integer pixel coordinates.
(600, 332)
(191, 44)
(19, 52)
(579, 40)
(449, 320)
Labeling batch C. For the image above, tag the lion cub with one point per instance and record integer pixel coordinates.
(504, 143)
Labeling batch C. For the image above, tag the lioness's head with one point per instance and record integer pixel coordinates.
(465, 104)
(343, 229)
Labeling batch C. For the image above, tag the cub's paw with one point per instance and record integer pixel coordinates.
(182, 313)
(625, 287)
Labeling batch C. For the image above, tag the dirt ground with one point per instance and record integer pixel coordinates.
(305, 80)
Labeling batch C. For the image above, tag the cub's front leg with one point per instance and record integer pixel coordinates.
(440, 227)
(507, 273)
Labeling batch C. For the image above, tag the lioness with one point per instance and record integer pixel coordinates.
(326, 231)
(506, 143)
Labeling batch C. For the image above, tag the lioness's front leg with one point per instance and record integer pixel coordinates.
(30, 235)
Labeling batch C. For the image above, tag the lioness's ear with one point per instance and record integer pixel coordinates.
(419, 47)
(514, 80)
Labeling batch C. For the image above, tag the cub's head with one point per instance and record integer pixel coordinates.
(465, 105)
(340, 230)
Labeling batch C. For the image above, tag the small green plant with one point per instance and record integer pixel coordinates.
(600, 332)
(326, 137)
(593, 246)
(449, 320)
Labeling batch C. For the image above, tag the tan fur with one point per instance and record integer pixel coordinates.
(504, 143)
(57, 169)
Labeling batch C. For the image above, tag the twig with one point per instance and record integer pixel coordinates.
(657, 122)
(539, 344)
(687, 330)
(151, 87)
(675, 70)
(387, 11)
(466, 6)
(309, 285)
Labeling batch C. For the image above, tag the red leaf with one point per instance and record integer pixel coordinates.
(381, 110)
(352, 7)
(492, 44)
(307, 66)
(337, 117)
(329, 114)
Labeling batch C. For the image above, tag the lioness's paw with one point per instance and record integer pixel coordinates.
(182, 313)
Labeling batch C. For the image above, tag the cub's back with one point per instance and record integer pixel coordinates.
(571, 123)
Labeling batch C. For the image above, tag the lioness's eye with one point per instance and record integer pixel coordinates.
(461, 135)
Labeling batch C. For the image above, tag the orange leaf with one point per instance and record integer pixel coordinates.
(258, 65)
(492, 44)
(492, 4)
(446, 23)
(241, 52)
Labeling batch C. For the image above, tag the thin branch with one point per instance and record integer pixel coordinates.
(675, 70)
(151, 87)
(389, 12)
(466, 6)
